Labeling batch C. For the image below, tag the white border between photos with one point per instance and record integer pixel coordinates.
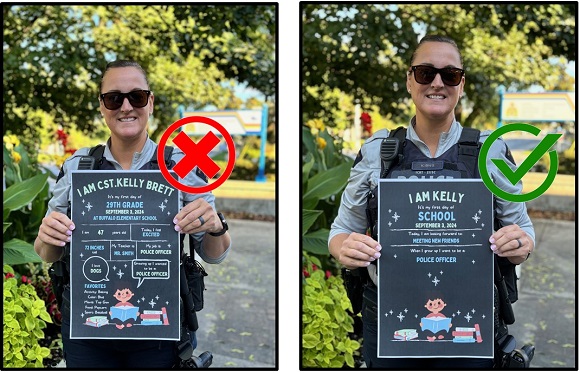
(289, 187)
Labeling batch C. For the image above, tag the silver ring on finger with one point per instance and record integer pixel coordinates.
(202, 221)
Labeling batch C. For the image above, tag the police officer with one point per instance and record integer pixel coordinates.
(126, 103)
(435, 81)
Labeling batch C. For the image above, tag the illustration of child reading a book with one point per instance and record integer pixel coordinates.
(435, 322)
(124, 314)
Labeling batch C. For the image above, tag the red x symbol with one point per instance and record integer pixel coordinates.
(196, 154)
(203, 147)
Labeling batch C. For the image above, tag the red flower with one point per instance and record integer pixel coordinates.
(62, 137)
(24, 278)
(328, 273)
(366, 121)
(365, 118)
(314, 267)
(9, 275)
(61, 134)
(305, 273)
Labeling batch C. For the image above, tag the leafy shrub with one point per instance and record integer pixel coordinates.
(325, 172)
(567, 160)
(40, 279)
(25, 204)
(25, 317)
(326, 324)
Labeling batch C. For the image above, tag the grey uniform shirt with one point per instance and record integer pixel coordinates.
(364, 177)
(62, 193)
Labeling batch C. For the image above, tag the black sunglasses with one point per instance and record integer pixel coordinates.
(114, 100)
(426, 74)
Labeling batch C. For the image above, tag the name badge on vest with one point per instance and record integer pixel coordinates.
(427, 165)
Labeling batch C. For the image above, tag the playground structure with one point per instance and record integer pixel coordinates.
(236, 122)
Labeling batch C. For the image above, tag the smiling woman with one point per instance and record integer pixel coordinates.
(126, 103)
(435, 82)
(430, 149)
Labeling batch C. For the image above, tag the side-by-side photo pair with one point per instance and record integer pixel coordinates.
(431, 224)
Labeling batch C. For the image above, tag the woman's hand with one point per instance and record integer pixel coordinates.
(197, 216)
(53, 234)
(356, 250)
(511, 242)
(56, 229)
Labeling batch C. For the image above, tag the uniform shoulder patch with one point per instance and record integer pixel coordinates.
(509, 156)
(200, 174)
(60, 174)
(358, 158)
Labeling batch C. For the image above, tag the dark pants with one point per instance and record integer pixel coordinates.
(118, 354)
(370, 347)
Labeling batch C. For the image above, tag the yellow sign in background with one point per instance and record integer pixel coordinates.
(539, 107)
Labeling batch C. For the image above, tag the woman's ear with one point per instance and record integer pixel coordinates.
(151, 100)
(461, 85)
(101, 107)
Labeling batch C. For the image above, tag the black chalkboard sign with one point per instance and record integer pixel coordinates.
(124, 256)
(435, 274)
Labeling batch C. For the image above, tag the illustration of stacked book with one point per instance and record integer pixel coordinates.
(97, 321)
(467, 335)
(154, 317)
(406, 334)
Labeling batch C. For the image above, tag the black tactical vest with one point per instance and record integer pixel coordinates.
(460, 161)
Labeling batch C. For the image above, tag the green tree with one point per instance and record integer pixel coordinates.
(194, 54)
(239, 39)
(364, 50)
(50, 63)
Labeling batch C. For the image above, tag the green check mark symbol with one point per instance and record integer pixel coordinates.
(518, 174)
(535, 155)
